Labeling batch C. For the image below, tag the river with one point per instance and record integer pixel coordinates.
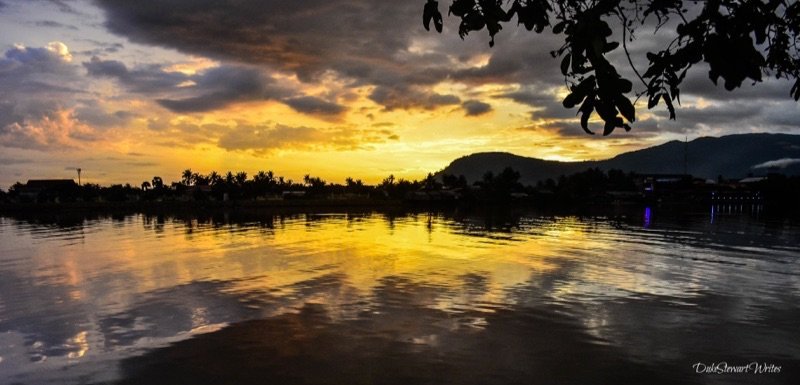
(400, 298)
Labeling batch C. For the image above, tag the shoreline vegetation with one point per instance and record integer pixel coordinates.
(590, 189)
(189, 205)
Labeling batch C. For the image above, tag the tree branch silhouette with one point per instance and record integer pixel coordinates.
(738, 39)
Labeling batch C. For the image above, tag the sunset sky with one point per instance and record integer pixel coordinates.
(127, 90)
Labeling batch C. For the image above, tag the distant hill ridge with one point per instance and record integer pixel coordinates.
(732, 156)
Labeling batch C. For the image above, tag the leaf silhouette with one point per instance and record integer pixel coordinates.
(737, 39)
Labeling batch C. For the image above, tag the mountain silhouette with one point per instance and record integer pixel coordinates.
(732, 156)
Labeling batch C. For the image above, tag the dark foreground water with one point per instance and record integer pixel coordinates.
(400, 299)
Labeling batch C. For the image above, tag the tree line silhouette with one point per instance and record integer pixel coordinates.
(592, 186)
(229, 186)
(266, 185)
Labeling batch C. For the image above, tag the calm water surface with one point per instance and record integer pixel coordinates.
(399, 299)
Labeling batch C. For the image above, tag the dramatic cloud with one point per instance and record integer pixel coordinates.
(221, 86)
(698, 84)
(37, 89)
(57, 132)
(779, 163)
(542, 99)
(476, 107)
(314, 106)
(22, 64)
(522, 57)
(301, 37)
(146, 79)
(530, 96)
(207, 90)
(46, 103)
(737, 115)
(383, 45)
(400, 97)
(367, 43)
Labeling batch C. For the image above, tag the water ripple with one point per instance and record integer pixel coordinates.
(81, 291)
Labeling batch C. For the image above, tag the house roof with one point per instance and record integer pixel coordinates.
(50, 183)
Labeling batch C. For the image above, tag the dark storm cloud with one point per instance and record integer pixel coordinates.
(209, 90)
(476, 107)
(203, 103)
(643, 129)
(783, 114)
(144, 79)
(314, 106)
(372, 44)
(732, 116)
(698, 84)
(542, 99)
(302, 37)
(761, 106)
(222, 86)
(247, 81)
(736, 116)
(531, 97)
(522, 57)
(366, 43)
(402, 97)
(720, 114)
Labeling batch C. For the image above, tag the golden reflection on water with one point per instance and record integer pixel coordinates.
(79, 344)
(116, 285)
(363, 250)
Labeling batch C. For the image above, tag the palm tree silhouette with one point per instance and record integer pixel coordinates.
(187, 177)
(157, 183)
(214, 178)
(240, 178)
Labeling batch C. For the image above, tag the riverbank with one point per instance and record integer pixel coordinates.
(156, 206)
(258, 208)
(361, 204)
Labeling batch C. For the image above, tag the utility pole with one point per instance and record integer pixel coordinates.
(79, 176)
